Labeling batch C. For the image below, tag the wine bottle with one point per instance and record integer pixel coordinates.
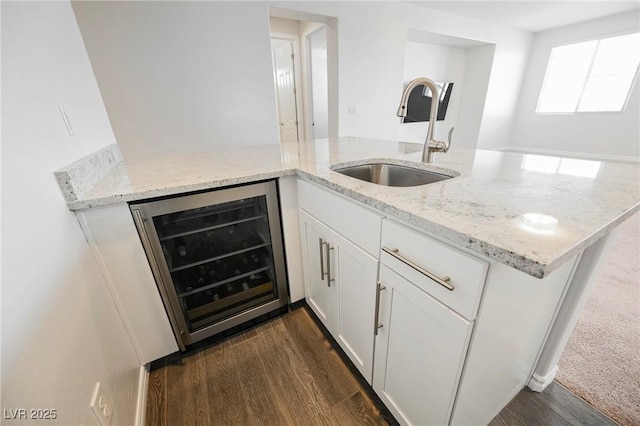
(197, 249)
(202, 275)
(181, 246)
(230, 289)
(256, 280)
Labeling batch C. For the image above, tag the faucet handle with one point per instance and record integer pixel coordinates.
(448, 144)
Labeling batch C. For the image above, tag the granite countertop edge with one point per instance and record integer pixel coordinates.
(78, 195)
(522, 263)
(90, 203)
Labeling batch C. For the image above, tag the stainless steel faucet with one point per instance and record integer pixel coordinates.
(431, 146)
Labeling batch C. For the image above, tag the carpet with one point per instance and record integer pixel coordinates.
(601, 362)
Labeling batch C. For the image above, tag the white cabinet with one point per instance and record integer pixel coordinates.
(357, 223)
(341, 287)
(356, 277)
(459, 335)
(428, 297)
(420, 350)
(449, 275)
(117, 249)
(320, 296)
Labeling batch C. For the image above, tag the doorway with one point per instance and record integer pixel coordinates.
(316, 42)
(284, 49)
(304, 56)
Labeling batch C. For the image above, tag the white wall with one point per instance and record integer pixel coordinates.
(472, 105)
(372, 38)
(507, 69)
(506, 77)
(182, 76)
(504, 68)
(319, 82)
(371, 41)
(441, 64)
(171, 73)
(600, 134)
(60, 330)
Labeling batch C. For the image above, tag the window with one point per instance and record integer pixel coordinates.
(591, 76)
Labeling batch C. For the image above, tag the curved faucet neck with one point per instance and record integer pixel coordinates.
(433, 113)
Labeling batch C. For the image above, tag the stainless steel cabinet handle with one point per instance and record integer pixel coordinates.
(322, 273)
(379, 288)
(328, 253)
(444, 281)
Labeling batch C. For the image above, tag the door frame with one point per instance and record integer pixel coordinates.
(308, 80)
(302, 122)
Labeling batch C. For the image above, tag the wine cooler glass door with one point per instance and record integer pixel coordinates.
(221, 260)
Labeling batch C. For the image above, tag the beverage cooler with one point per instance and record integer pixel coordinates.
(217, 257)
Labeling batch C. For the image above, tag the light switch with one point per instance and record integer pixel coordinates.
(66, 121)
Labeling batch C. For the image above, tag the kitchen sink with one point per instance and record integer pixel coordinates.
(392, 174)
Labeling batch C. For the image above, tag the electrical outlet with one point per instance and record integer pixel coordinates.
(101, 405)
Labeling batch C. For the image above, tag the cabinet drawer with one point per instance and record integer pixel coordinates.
(427, 262)
(355, 222)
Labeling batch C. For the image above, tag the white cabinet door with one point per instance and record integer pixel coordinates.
(117, 249)
(321, 297)
(340, 281)
(419, 352)
(353, 326)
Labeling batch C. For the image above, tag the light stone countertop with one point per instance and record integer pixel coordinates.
(481, 209)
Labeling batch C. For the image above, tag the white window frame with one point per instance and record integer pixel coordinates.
(576, 112)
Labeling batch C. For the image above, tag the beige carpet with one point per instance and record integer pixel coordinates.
(601, 362)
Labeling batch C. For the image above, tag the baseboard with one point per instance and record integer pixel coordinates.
(539, 383)
(143, 386)
(569, 154)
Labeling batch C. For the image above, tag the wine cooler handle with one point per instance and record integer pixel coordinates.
(328, 253)
(155, 270)
(322, 273)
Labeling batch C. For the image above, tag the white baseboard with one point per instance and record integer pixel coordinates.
(539, 383)
(569, 154)
(143, 386)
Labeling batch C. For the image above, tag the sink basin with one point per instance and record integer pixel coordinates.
(392, 174)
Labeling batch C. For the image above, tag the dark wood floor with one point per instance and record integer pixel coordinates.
(285, 372)
(556, 405)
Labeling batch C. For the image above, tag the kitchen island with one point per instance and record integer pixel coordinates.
(481, 211)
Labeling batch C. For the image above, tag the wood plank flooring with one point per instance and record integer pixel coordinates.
(283, 372)
(286, 372)
(556, 405)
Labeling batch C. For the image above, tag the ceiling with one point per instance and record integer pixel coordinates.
(533, 16)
